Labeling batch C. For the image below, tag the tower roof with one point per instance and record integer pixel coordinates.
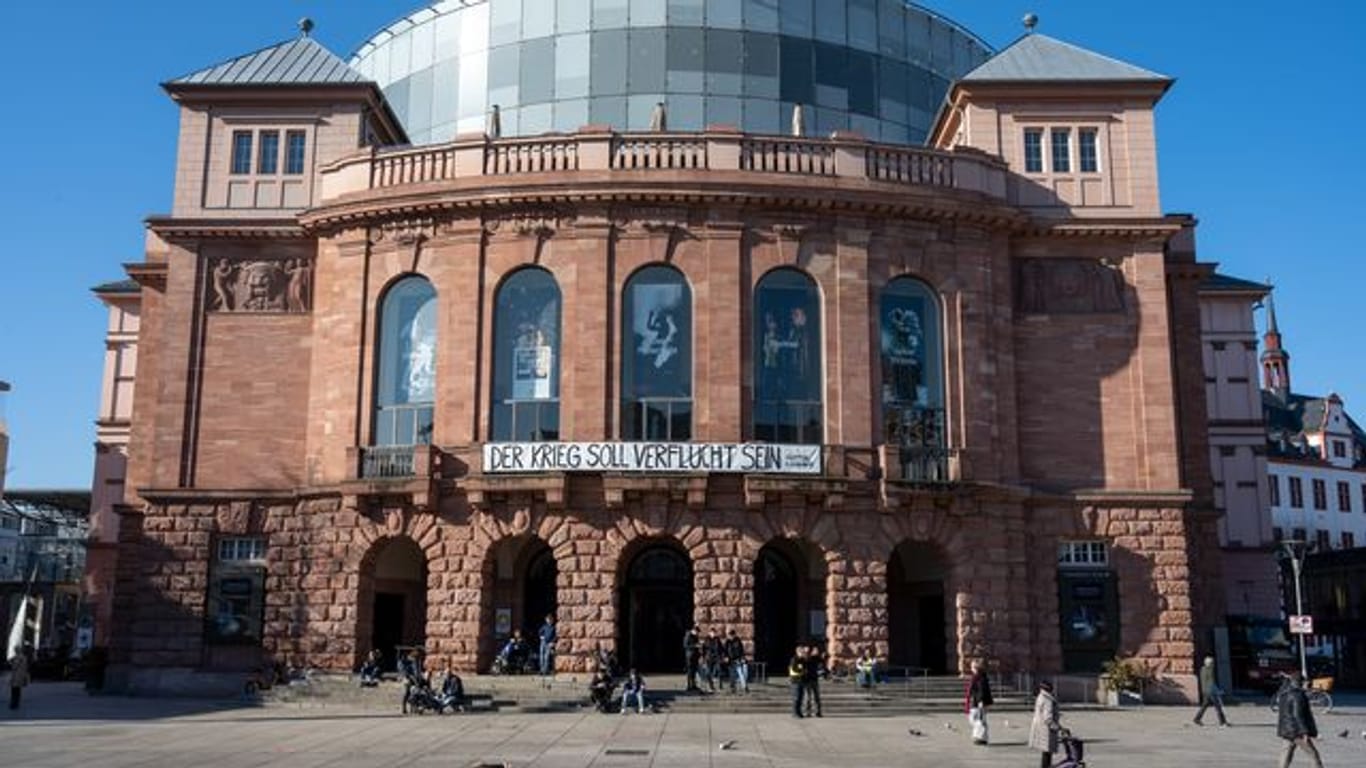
(1040, 58)
(301, 61)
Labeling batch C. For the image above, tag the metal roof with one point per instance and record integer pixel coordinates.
(118, 286)
(301, 61)
(1222, 282)
(1037, 57)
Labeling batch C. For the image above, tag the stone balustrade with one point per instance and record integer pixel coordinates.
(842, 156)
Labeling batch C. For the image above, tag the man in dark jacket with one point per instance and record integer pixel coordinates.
(548, 637)
(711, 659)
(691, 655)
(813, 667)
(1210, 694)
(796, 671)
(1295, 723)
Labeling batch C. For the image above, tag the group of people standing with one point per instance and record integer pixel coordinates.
(804, 673)
(715, 660)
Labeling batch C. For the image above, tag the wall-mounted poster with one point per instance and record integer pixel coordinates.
(788, 337)
(502, 622)
(903, 351)
(661, 329)
(533, 360)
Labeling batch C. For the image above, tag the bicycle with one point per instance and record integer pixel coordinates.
(1318, 692)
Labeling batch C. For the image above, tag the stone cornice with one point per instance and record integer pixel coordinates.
(174, 228)
(1142, 229)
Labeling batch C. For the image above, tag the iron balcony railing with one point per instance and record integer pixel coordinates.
(921, 439)
(381, 462)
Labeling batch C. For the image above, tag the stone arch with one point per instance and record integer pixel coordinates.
(371, 535)
(655, 601)
(392, 597)
(519, 586)
(790, 578)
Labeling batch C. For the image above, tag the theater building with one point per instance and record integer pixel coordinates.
(882, 339)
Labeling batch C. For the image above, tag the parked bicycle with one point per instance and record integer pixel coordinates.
(1319, 692)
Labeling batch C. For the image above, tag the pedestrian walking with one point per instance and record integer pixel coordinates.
(1043, 729)
(1210, 694)
(978, 699)
(691, 656)
(18, 675)
(711, 659)
(813, 667)
(548, 637)
(796, 669)
(739, 663)
(1295, 722)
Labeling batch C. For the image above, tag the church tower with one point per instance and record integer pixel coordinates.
(1275, 360)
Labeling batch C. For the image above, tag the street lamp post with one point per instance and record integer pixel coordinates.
(1294, 550)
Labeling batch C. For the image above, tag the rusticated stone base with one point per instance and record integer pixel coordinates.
(999, 580)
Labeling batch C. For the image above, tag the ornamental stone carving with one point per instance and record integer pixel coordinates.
(1068, 286)
(260, 285)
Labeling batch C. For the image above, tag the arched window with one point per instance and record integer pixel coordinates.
(526, 358)
(913, 376)
(788, 376)
(656, 357)
(407, 364)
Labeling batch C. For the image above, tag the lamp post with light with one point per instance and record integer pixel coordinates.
(1294, 551)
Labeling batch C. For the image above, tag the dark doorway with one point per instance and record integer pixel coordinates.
(539, 596)
(655, 609)
(776, 617)
(917, 624)
(388, 629)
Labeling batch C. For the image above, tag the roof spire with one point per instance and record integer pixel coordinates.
(1271, 312)
(305, 26)
(1031, 20)
(1275, 359)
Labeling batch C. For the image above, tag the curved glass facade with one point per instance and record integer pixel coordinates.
(878, 67)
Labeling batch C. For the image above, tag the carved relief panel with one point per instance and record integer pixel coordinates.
(260, 285)
(1068, 286)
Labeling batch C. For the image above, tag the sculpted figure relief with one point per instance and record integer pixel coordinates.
(1067, 286)
(263, 285)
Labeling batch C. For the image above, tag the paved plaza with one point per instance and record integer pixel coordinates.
(60, 726)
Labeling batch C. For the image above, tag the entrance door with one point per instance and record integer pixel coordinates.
(930, 618)
(776, 619)
(388, 627)
(655, 609)
(917, 627)
(539, 596)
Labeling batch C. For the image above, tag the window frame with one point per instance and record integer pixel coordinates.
(1319, 489)
(635, 411)
(290, 167)
(268, 152)
(236, 589)
(1274, 488)
(241, 154)
(788, 407)
(1060, 162)
(544, 412)
(1035, 163)
(1083, 553)
(1296, 492)
(1344, 489)
(1083, 132)
(421, 414)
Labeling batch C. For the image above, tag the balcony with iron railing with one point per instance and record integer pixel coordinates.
(842, 158)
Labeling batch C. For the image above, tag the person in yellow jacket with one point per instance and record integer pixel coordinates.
(795, 670)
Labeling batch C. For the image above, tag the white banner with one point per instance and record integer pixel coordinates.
(653, 457)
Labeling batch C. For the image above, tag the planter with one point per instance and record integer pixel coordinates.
(1123, 698)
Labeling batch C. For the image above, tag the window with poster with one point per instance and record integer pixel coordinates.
(237, 591)
(406, 390)
(1088, 605)
(526, 357)
(656, 356)
(913, 378)
(788, 377)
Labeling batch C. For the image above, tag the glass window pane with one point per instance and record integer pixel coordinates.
(911, 356)
(686, 13)
(863, 24)
(831, 77)
(794, 18)
(241, 151)
(1033, 150)
(830, 22)
(538, 18)
(761, 15)
(538, 70)
(891, 28)
(504, 69)
(424, 46)
(571, 115)
(761, 65)
(796, 69)
(680, 420)
(608, 110)
(572, 17)
(610, 54)
(296, 144)
(657, 320)
(1061, 150)
(269, 157)
(444, 99)
(862, 83)
(536, 119)
(648, 13)
(609, 14)
(420, 98)
(764, 116)
(721, 110)
(646, 66)
(1086, 145)
(401, 56)
(407, 372)
(505, 18)
(685, 59)
(526, 367)
(473, 102)
(725, 63)
(725, 14)
(571, 67)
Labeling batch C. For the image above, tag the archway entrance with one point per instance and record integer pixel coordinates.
(789, 600)
(655, 608)
(523, 576)
(394, 589)
(917, 614)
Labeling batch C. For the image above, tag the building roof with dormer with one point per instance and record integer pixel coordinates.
(1039, 58)
(301, 61)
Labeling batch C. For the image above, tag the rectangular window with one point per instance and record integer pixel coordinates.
(237, 592)
(1296, 493)
(1349, 540)
(1320, 489)
(1278, 533)
(1087, 153)
(1339, 449)
(269, 160)
(1274, 482)
(1033, 150)
(1363, 497)
(241, 151)
(1061, 147)
(1083, 554)
(1344, 497)
(295, 143)
(1322, 541)
(1297, 534)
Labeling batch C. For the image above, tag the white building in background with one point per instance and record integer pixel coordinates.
(1316, 458)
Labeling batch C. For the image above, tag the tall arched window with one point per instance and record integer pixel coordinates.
(788, 378)
(526, 358)
(656, 357)
(407, 364)
(913, 377)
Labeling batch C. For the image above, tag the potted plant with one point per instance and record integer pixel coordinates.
(1123, 680)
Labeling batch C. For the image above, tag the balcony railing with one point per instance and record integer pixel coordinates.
(921, 439)
(383, 462)
(928, 466)
(841, 156)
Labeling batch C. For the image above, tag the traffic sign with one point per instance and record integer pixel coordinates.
(1301, 625)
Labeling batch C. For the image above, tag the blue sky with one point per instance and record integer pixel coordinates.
(1260, 138)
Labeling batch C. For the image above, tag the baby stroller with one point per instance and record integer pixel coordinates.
(1073, 750)
(602, 693)
(418, 696)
